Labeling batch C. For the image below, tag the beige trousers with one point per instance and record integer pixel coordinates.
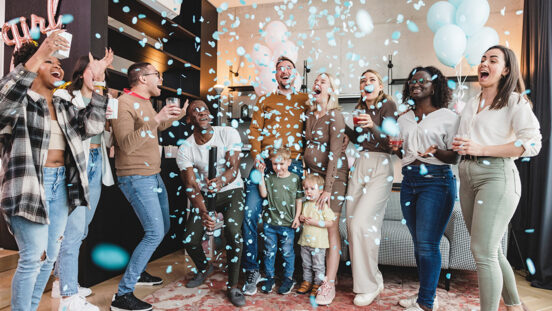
(369, 187)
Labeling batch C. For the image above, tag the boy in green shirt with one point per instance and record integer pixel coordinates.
(283, 191)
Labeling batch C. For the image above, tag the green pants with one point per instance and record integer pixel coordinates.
(489, 194)
(230, 204)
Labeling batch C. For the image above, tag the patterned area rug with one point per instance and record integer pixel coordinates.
(399, 283)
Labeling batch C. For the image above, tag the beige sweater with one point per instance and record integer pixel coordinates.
(136, 141)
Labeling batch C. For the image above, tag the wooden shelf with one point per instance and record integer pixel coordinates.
(152, 24)
(119, 78)
(123, 43)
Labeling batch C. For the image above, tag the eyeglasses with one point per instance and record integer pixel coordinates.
(421, 81)
(157, 73)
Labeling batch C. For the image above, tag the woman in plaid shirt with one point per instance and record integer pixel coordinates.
(43, 175)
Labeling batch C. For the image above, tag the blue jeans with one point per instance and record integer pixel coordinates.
(39, 243)
(427, 202)
(279, 238)
(253, 208)
(148, 197)
(67, 265)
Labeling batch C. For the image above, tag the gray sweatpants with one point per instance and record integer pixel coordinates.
(314, 261)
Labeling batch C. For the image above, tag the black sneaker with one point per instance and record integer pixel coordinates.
(267, 286)
(200, 277)
(236, 297)
(286, 287)
(148, 279)
(128, 302)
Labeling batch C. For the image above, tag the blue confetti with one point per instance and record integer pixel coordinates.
(35, 33)
(169, 269)
(412, 26)
(67, 19)
(313, 301)
(98, 35)
(390, 127)
(423, 169)
(530, 266)
(396, 35)
(256, 176)
(447, 276)
(451, 84)
(126, 9)
(109, 256)
(240, 50)
(529, 230)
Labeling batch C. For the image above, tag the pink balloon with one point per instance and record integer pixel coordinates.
(262, 56)
(275, 33)
(265, 82)
(287, 49)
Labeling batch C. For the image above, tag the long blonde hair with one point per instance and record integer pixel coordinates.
(333, 100)
(381, 96)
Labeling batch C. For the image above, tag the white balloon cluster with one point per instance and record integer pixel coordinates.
(264, 56)
(459, 30)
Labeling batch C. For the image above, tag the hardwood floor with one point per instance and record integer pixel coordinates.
(534, 298)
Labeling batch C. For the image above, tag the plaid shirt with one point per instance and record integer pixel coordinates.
(25, 135)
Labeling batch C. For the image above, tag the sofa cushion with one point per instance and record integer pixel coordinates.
(393, 210)
(397, 248)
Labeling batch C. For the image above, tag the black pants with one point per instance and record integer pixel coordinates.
(231, 204)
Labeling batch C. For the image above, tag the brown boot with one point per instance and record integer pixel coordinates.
(314, 289)
(304, 288)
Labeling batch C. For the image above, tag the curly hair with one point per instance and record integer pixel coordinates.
(442, 94)
(24, 53)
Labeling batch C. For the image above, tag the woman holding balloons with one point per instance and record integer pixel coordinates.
(496, 127)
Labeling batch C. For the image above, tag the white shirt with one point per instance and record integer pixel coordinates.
(437, 128)
(190, 154)
(515, 122)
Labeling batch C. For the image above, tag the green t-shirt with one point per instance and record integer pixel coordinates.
(282, 193)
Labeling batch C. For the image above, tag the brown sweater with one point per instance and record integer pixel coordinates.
(278, 117)
(135, 137)
(372, 138)
(324, 153)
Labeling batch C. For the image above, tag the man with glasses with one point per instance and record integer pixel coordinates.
(138, 165)
(277, 122)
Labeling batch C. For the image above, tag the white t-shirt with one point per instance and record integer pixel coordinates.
(437, 128)
(515, 122)
(190, 154)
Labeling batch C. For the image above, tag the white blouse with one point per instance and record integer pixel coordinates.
(516, 122)
(437, 128)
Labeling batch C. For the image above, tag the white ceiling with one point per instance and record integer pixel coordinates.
(235, 3)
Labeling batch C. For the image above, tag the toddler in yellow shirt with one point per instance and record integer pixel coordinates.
(314, 238)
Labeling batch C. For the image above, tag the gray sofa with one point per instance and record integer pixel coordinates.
(397, 249)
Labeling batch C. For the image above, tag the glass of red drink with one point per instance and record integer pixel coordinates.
(396, 141)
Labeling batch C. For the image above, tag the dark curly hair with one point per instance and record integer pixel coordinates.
(442, 94)
(24, 53)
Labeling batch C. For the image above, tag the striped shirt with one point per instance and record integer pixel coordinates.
(25, 136)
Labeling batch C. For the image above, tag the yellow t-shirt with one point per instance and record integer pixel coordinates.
(313, 236)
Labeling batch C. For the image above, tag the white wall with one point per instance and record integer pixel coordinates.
(410, 50)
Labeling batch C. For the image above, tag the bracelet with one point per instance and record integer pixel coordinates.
(99, 83)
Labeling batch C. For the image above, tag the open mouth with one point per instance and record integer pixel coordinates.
(483, 74)
(56, 74)
(416, 90)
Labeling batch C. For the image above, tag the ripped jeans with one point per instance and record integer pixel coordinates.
(39, 243)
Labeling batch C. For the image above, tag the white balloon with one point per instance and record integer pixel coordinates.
(265, 82)
(440, 14)
(449, 44)
(456, 3)
(262, 56)
(364, 21)
(287, 49)
(471, 15)
(479, 43)
(275, 34)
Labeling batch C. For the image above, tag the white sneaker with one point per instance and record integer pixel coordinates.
(83, 291)
(76, 303)
(368, 298)
(411, 300)
(415, 307)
